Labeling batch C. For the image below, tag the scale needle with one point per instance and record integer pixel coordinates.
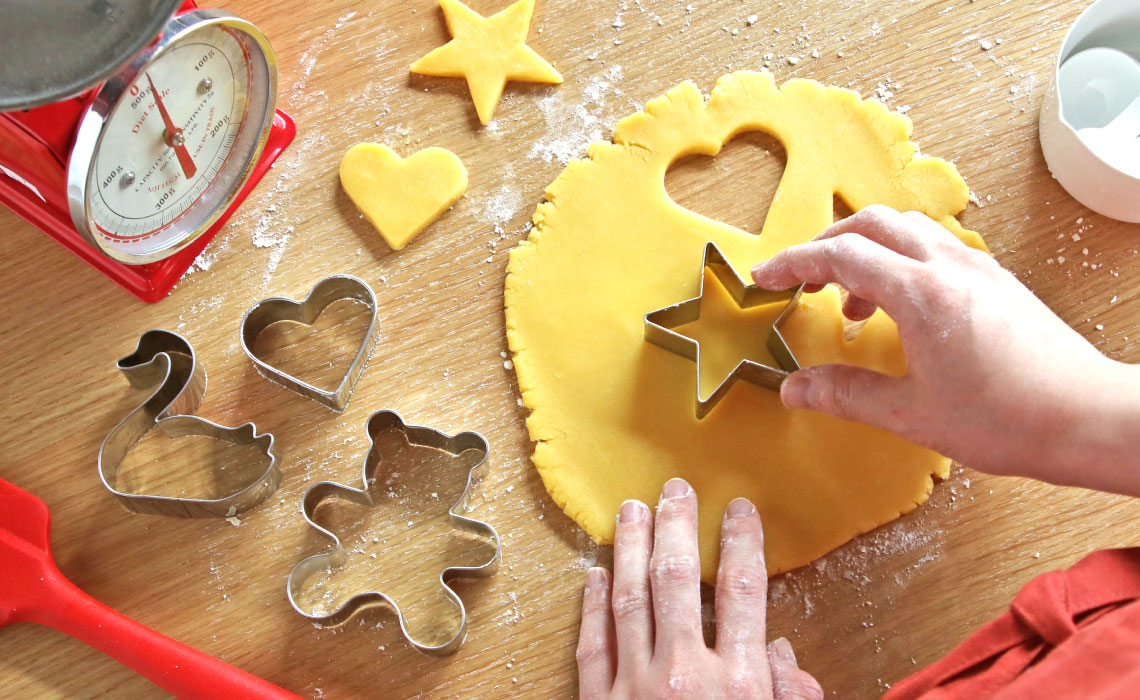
(174, 137)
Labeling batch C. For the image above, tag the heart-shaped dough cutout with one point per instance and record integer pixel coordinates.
(401, 196)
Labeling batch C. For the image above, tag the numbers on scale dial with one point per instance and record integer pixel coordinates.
(205, 58)
(111, 176)
(140, 186)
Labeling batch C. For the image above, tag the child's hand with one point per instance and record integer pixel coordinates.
(994, 378)
(641, 636)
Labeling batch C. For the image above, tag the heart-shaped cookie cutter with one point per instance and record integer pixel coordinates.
(659, 326)
(165, 361)
(274, 309)
(417, 436)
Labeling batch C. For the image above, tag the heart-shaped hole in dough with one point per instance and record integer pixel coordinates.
(736, 186)
(317, 354)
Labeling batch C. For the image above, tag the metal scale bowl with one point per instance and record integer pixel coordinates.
(131, 129)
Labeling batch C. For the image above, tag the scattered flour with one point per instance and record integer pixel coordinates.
(265, 237)
(587, 549)
(205, 259)
(197, 309)
(857, 563)
(571, 127)
(501, 206)
(886, 89)
(274, 226)
(310, 57)
(513, 614)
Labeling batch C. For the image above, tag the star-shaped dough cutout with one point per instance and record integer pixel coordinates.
(734, 308)
(488, 52)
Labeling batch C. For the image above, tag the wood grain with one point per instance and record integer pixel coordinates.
(860, 618)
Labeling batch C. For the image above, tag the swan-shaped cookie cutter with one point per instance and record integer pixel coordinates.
(659, 326)
(165, 361)
(417, 436)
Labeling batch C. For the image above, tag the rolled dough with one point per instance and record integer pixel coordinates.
(612, 416)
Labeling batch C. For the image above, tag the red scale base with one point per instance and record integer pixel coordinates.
(34, 148)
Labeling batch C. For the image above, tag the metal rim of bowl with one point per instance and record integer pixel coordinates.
(26, 80)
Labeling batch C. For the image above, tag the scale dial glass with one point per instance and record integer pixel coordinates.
(179, 140)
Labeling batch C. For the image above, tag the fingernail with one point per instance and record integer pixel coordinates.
(595, 578)
(676, 488)
(784, 649)
(633, 511)
(794, 391)
(740, 508)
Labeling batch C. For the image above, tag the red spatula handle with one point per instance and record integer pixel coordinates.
(182, 671)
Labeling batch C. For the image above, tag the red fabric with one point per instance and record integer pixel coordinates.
(1068, 634)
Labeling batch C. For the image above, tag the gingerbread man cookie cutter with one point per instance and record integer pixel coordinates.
(417, 436)
(274, 309)
(659, 326)
(165, 361)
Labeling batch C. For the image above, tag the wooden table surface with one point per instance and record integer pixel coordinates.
(860, 618)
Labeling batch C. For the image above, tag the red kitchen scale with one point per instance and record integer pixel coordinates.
(129, 150)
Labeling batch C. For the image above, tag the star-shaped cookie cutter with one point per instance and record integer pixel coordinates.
(659, 326)
(417, 436)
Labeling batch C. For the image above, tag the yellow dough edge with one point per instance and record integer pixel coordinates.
(922, 183)
(400, 197)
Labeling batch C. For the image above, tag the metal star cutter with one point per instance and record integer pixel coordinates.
(659, 326)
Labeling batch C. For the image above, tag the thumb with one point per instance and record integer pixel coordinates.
(788, 681)
(846, 392)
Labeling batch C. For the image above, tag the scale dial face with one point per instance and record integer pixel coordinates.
(178, 133)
